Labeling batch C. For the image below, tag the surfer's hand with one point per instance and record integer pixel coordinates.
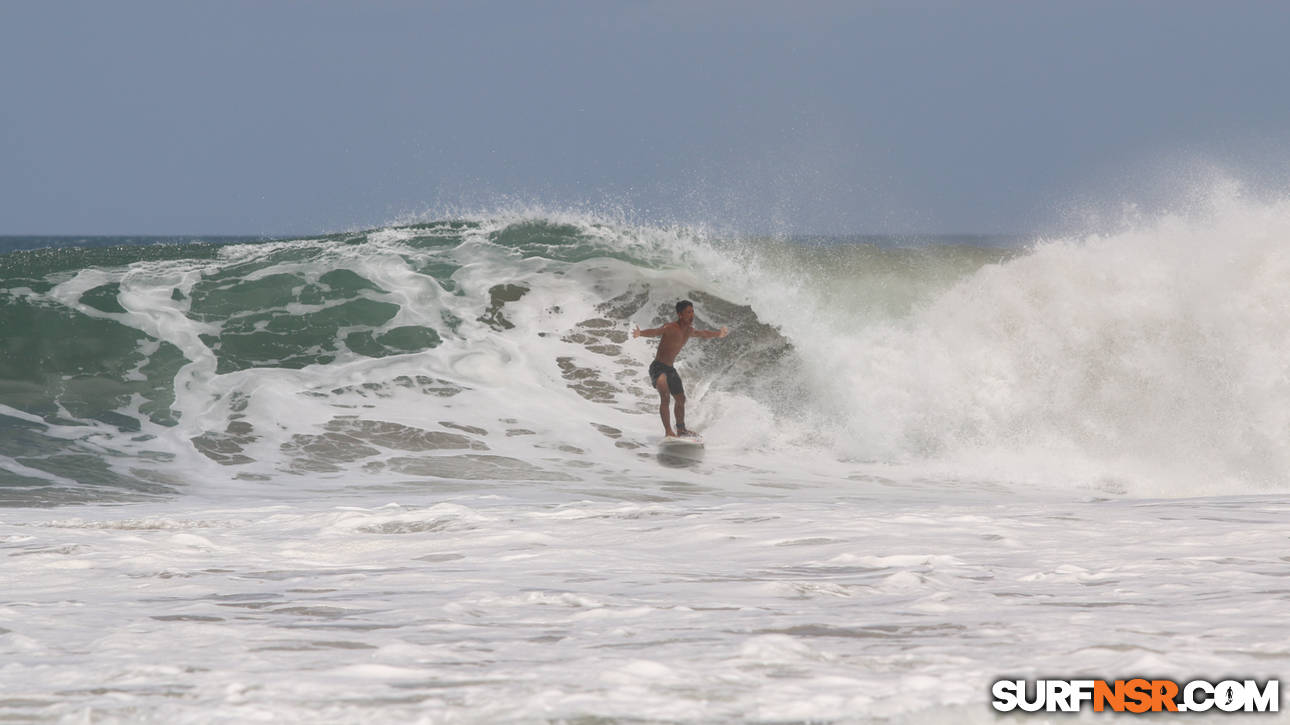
(636, 331)
(724, 331)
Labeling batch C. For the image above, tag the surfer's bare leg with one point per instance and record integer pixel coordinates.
(680, 412)
(663, 398)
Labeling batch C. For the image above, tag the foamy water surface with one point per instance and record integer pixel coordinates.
(881, 596)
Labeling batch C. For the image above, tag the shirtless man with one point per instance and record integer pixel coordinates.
(661, 373)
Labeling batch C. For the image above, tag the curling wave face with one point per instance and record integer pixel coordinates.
(458, 350)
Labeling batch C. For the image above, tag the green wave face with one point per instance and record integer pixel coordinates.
(128, 344)
(129, 370)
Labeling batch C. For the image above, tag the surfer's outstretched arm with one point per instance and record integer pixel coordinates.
(709, 334)
(638, 332)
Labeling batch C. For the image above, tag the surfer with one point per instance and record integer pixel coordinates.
(662, 375)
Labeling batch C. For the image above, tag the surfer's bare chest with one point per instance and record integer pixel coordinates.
(673, 339)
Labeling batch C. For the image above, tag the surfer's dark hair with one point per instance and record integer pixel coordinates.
(680, 306)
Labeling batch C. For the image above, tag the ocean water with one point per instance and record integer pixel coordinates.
(411, 474)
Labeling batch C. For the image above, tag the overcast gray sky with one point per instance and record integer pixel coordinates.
(274, 117)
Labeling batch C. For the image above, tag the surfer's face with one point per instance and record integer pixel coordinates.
(686, 316)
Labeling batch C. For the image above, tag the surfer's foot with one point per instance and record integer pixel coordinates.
(683, 431)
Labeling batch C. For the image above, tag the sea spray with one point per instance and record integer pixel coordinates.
(1155, 356)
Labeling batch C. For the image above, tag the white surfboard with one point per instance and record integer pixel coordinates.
(692, 439)
(690, 446)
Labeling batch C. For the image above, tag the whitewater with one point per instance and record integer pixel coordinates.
(411, 474)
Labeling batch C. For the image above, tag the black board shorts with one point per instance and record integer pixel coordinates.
(657, 368)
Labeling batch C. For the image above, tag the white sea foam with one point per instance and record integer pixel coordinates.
(806, 606)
